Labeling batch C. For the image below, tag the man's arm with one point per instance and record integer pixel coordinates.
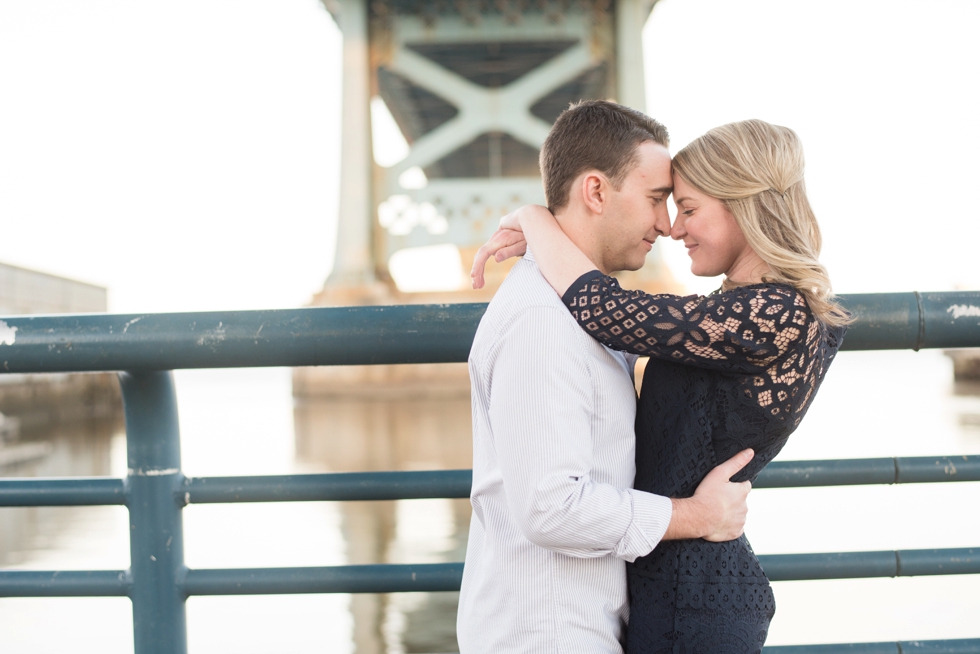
(541, 401)
(718, 509)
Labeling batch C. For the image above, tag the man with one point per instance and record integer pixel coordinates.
(554, 513)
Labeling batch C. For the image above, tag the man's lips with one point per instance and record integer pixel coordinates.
(649, 244)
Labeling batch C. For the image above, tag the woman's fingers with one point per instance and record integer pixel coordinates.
(516, 250)
(504, 243)
(479, 263)
(486, 251)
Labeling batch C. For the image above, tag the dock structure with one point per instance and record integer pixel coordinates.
(50, 425)
(36, 402)
(474, 88)
(24, 291)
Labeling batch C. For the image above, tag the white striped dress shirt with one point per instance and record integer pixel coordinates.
(554, 512)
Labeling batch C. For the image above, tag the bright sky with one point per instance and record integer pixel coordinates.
(186, 153)
(183, 153)
(884, 96)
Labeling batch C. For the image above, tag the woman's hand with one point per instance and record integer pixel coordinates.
(558, 258)
(508, 241)
(504, 244)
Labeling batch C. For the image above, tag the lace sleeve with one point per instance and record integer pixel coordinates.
(744, 330)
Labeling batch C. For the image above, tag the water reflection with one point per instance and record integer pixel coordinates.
(232, 422)
(248, 422)
(341, 433)
(967, 397)
(82, 448)
(70, 425)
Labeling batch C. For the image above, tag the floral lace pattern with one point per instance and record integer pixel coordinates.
(727, 371)
(763, 331)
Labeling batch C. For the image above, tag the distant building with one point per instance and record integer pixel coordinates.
(29, 291)
(37, 402)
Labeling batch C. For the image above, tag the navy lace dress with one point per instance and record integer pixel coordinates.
(727, 371)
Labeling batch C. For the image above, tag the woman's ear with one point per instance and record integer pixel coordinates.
(595, 190)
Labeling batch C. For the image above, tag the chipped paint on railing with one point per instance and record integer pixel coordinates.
(150, 472)
(8, 334)
(964, 311)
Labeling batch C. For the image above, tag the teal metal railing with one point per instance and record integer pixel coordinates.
(155, 491)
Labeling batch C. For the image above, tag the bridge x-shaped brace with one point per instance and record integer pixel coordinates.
(481, 110)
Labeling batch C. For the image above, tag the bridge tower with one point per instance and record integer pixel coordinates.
(474, 86)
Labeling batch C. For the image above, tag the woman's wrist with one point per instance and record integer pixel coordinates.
(531, 215)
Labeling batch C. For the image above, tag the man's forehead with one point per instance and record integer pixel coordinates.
(654, 165)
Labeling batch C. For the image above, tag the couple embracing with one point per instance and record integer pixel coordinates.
(602, 522)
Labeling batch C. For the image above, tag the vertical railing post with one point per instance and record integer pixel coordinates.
(156, 535)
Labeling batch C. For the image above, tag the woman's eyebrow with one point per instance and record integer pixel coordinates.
(680, 200)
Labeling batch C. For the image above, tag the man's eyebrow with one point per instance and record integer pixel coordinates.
(666, 190)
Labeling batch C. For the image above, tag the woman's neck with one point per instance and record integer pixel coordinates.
(748, 268)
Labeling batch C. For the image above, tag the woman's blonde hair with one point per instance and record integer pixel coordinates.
(756, 170)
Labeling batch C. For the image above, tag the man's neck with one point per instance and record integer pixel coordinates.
(579, 228)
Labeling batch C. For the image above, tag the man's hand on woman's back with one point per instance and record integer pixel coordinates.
(718, 509)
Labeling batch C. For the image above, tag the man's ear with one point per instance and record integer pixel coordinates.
(595, 191)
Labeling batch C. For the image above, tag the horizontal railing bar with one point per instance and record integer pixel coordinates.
(866, 565)
(354, 486)
(435, 577)
(66, 583)
(234, 339)
(429, 577)
(902, 321)
(385, 334)
(343, 486)
(403, 485)
(960, 646)
(63, 491)
(857, 472)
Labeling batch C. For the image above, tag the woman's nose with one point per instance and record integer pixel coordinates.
(677, 231)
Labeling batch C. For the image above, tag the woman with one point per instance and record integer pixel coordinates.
(732, 370)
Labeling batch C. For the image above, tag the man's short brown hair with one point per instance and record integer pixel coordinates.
(594, 135)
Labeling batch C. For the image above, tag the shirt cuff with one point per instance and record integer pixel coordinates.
(651, 517)
(572, 291)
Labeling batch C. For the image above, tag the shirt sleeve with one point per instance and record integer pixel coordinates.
(540, 398)
(744, 330)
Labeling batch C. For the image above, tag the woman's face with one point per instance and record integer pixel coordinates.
(713, 240)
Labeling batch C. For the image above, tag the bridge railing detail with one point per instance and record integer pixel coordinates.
(148, 346)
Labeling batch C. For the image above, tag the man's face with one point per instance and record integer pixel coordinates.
(636, 214)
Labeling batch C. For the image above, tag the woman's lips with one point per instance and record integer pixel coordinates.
(691, 249)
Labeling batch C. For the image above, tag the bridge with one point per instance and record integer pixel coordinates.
(147, 347)
(474, 88)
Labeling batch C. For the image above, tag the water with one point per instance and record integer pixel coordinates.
(246, 422)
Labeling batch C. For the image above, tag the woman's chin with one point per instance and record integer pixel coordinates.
(701, 271)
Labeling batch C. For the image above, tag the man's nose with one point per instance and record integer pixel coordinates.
(662, 223)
